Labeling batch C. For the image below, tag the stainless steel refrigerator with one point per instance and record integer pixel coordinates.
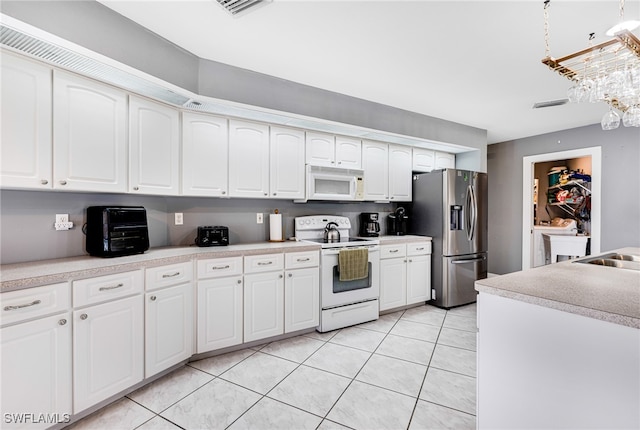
(451, 206)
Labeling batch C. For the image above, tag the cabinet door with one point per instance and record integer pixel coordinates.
(219, 313)
(248, 159)
(348, 152)
(301, 299)
(375, 163)
(168, 327)
(424, 160)
(400, 175)
(393, 281)
(89, 135)
(108, 350)
(205, 155)
(25, 97)
(418, 279)
(445, 160)
(155, 147)
(36, 369)
(287, 163)
(263, 305)
(320, 149)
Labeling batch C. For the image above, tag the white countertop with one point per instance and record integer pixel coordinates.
(605, 293)
(32, 274)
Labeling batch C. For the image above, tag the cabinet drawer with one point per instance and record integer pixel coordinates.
(103, 288)
(165, 276)
(219, 267)
(263, 263)
(393, 251)
(30, 303)
(419, 248)
(297, 260)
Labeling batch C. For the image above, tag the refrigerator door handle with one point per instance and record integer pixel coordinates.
(469, 260)
(474, 213)
(470, 209)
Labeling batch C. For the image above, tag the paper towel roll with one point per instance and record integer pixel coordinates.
(275, 227)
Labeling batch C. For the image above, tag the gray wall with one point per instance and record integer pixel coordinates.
(620, 188)
(27, 217)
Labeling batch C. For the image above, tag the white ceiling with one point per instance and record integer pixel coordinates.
(472, 62)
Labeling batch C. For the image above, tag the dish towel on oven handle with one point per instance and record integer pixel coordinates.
(353, 264)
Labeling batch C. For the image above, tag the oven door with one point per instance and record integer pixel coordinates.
(336, 293)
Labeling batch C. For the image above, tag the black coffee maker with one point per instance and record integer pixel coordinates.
(369, 225)
(397, 222)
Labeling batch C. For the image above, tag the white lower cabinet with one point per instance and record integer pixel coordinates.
(301, 299)
(219, 313)
(36, 370)
(263, 305)
(168, 327)
(405, 274)
(108, 350)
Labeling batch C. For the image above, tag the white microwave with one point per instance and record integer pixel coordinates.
(329, 183)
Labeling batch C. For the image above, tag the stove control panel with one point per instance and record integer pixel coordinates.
(318, 222)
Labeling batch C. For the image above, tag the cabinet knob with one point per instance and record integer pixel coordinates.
(84, 316)
(135, 188)
(63, 182)
(239, 281)
(410, 261)
(153, 298)
(391, 197)
(405, 261)
(266, 194)
(224, 192)
(333, 162)
(280, 276)
(339, 162)
(291, 275)
(62, 321)
(44, 182)
(275, 194)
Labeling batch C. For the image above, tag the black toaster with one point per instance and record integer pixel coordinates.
(212, 235)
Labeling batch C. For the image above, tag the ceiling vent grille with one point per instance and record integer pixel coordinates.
(240, 7)
(69, 60)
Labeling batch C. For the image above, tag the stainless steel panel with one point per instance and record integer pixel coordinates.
(459, 276)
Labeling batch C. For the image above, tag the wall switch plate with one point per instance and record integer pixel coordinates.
(179, 219)
(259, 218)
(62, 222)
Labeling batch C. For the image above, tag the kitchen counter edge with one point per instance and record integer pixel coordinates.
(20, 276)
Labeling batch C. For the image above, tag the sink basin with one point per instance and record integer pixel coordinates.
(620, 261)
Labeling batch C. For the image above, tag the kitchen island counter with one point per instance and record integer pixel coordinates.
(604, 293)
(33, 274)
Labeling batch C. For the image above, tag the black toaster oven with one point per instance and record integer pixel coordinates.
(114, 231)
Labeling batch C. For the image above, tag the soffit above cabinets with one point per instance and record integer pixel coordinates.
(22, 38)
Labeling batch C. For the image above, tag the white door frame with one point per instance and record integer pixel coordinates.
(527, 195)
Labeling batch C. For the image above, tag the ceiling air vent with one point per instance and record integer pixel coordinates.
(240, 7)
(550, 103)
(23, 43)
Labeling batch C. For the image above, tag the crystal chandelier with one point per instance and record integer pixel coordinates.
(607, 72)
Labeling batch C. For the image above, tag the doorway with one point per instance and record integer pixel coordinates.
(532, 215)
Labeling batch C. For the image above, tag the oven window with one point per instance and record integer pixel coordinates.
(342, 286)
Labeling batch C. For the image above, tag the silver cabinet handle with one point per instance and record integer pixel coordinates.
(84, 316)
(301, 260)
(63, 182)
(26, 305)
(220, 267)
(153, 298)
(263, 263)
(44, 182)
(172, 275)
(62, 321)
(420, 249)
(394, 251)
(112, 287)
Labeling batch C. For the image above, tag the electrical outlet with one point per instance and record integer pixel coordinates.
(259, 218)
(62, 222)
(179, 220)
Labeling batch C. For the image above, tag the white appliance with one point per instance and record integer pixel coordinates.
(342, 303)
(566, 228)
(330, 183)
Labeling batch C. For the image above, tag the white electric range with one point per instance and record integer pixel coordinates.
(342, 303)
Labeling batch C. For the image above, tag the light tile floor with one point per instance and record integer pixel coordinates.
(413, 369)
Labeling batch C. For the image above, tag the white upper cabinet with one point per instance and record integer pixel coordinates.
(89, 135)
(248, 159)
(348, 152)
(444, 160)
(287, 172)
(400, 175)
(375, 163)
(154, 139)
(333, 151)
(25, 97)
(205, 155)
(424, 160)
